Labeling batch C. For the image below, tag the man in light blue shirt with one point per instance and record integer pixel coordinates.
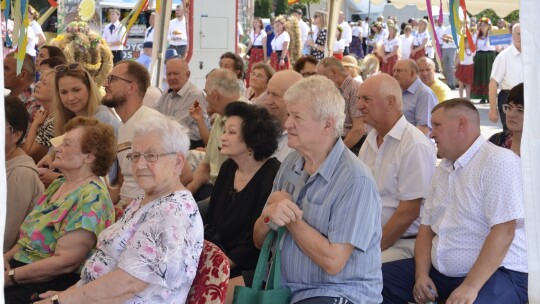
(418, 99)
(328, 201)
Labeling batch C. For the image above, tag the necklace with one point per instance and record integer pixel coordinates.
(64, 189)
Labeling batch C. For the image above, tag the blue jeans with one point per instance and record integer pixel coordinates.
(504, 286)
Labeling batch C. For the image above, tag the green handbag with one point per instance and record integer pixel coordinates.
(273, 293)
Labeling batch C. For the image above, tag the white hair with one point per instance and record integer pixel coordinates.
(323, 96)
(172, 134)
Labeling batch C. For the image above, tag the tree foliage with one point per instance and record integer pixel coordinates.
(513, 16)
(263, 8)
(282, 7)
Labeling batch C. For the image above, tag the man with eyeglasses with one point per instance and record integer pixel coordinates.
(418, 99)
(507, 72)
(180, 96)
(125, 88)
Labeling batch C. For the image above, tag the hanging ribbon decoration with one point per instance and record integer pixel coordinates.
(430, 16)
(463, 28)
(53, 3)
(20, 34)
(133, 17)
(291, 2)
(6, 7)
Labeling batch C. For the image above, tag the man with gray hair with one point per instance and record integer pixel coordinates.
(353, 126)
(402, 160)
(180, 96)
(326, 199)
(426, 69)
(221, 89)
(418, 99)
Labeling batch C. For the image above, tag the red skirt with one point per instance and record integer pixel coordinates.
(388, 67)
(339, 56)
(274, 62)
(257, 55)
(421, 53)
(465, 73)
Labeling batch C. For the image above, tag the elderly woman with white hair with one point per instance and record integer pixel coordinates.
(151, 254)
(328, 202)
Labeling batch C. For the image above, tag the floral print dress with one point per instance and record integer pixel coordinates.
(159, 243)
(321, 40)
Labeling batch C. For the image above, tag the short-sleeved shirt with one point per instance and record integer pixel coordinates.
(114, 34)
(507, 68)
(482, 44)
(340, 201)
(321, 40)
(89, 207)
(178, 26)
(212, 156)
(45, 132)
(418, 38)
(257, 40)
(402, 167)
(418, 101)
(390, 44)
(176, 106)
(406, 43)
(441, 90)
(349, 90)
(482, 188)
(159, 243)
(277, 42)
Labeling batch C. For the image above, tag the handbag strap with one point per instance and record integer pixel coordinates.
(262, 263)
(274, 279)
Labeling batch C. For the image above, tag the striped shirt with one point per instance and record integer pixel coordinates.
(340, 201)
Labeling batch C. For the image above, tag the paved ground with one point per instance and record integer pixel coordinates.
(487, 127)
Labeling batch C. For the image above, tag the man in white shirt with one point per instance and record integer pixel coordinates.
(304, 28)
(346, 35)
(402, 160)
(471, 244)
(113, 33)
(149, 33)
(125, 88)
(177, 36)
(507, 72)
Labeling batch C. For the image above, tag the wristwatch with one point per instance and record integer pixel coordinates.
(54, 299)
(11, 274)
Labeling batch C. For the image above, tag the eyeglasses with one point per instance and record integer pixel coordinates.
(149, 156)
(508, 108)
(112, 78)
(307, 74)
(64, 67)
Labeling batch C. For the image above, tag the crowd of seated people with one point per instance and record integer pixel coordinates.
(101, 189)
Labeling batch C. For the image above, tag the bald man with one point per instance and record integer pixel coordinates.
(426, 70)
(507, 72)
(182, 94)
(402, 160)
(277, 86)
(471, 242)
(418, 99)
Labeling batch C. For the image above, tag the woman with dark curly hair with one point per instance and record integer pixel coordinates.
(243, 184)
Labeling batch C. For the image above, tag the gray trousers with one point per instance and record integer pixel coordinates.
(448, 58)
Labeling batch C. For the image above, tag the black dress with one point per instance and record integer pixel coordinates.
(232, 215)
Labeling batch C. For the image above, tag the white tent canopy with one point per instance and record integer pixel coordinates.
(501, 7)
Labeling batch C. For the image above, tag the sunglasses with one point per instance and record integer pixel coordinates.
(71, 67)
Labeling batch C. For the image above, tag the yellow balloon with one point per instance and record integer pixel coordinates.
(87, 9)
